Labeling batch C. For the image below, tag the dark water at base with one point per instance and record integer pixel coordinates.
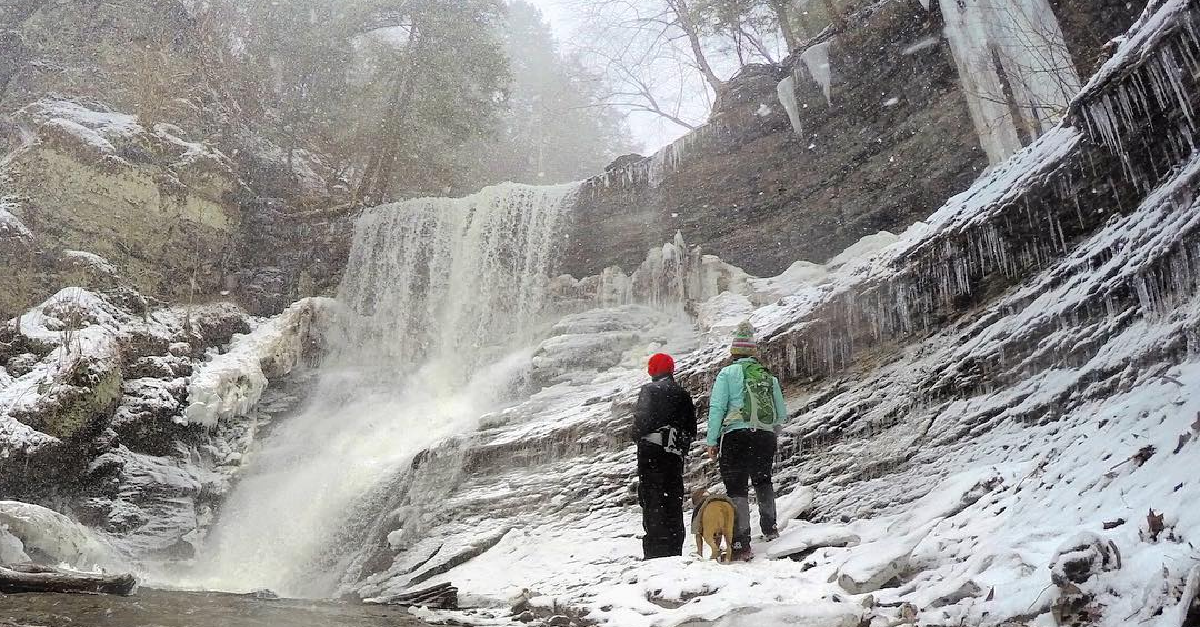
(159, 608)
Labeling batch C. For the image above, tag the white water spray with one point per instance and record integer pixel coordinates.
(444, 297)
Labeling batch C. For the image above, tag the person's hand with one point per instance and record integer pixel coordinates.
(713, 452)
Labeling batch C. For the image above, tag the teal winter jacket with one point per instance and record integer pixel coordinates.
(728, 394)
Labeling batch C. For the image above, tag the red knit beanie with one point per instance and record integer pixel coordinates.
(661, 364)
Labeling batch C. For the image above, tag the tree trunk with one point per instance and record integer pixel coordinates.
(442, 596)
(784, 17)
(684, 14)
(376, 181)
(16, 578)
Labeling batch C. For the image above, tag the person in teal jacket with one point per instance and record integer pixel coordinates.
(745, 412)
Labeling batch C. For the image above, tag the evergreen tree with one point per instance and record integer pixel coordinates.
(555, 128)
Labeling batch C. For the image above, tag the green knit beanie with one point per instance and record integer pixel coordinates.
(743, 341)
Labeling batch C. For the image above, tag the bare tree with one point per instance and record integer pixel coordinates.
(686, 21)
(654, 53)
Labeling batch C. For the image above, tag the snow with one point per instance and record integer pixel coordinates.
(107, 132)
(1158, 19)
(96, 128)
(230, 384)
(12, 550)
(73, 325)
(1147, 73)
(52, 535)
(803, 276)
(924, 43)
(10, 226)
(812, 536)
(810, 615)
(91, 260)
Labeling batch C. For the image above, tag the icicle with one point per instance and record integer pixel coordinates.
(787, 97)
(816, 59)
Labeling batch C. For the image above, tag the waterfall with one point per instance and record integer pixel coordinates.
(444, 298)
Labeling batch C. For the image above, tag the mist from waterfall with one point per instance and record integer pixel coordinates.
(443, 300)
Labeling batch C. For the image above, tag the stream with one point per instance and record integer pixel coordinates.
(163, 608)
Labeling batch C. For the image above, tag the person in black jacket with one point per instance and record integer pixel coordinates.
(664, 426)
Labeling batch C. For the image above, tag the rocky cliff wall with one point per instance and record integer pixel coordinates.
(165, 210)
(878, 136)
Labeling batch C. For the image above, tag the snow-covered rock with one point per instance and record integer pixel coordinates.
(232, 383)
(94, 185)
(51, 537)
(92, 420)
(807, 538)
(583, 344)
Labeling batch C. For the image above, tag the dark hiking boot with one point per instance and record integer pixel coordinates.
(772, 534)
(742, 555)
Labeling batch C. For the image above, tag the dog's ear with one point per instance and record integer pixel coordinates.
(699, 495)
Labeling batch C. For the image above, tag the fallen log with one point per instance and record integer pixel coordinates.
(441, 597)
(16, 578)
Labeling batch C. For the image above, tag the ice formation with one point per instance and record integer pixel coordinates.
(787, 98)
(1018, 44)
(816, 60)
(672, 275)
(653, 170)
(32, 530)
(232, 383)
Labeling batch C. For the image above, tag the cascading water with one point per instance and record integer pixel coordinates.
(444, 298)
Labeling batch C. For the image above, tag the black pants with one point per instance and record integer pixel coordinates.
(660, 493)
(746, 458)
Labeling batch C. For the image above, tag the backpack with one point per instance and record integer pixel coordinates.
(759, 393)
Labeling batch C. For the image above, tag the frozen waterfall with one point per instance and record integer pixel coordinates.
(1016, 70)
(443, 298)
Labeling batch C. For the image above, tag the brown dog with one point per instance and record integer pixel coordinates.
(712, 522)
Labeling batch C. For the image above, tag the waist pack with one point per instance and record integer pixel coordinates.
(669, 438)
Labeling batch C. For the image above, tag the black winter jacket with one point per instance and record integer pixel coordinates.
(663, 403)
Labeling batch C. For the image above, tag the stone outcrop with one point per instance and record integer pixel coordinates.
(94, 388)
(162, 209)
(174, 215)
(877, 137)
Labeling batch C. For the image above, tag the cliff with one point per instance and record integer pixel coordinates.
(866, 129)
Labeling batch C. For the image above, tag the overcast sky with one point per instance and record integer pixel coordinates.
(651, 131)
